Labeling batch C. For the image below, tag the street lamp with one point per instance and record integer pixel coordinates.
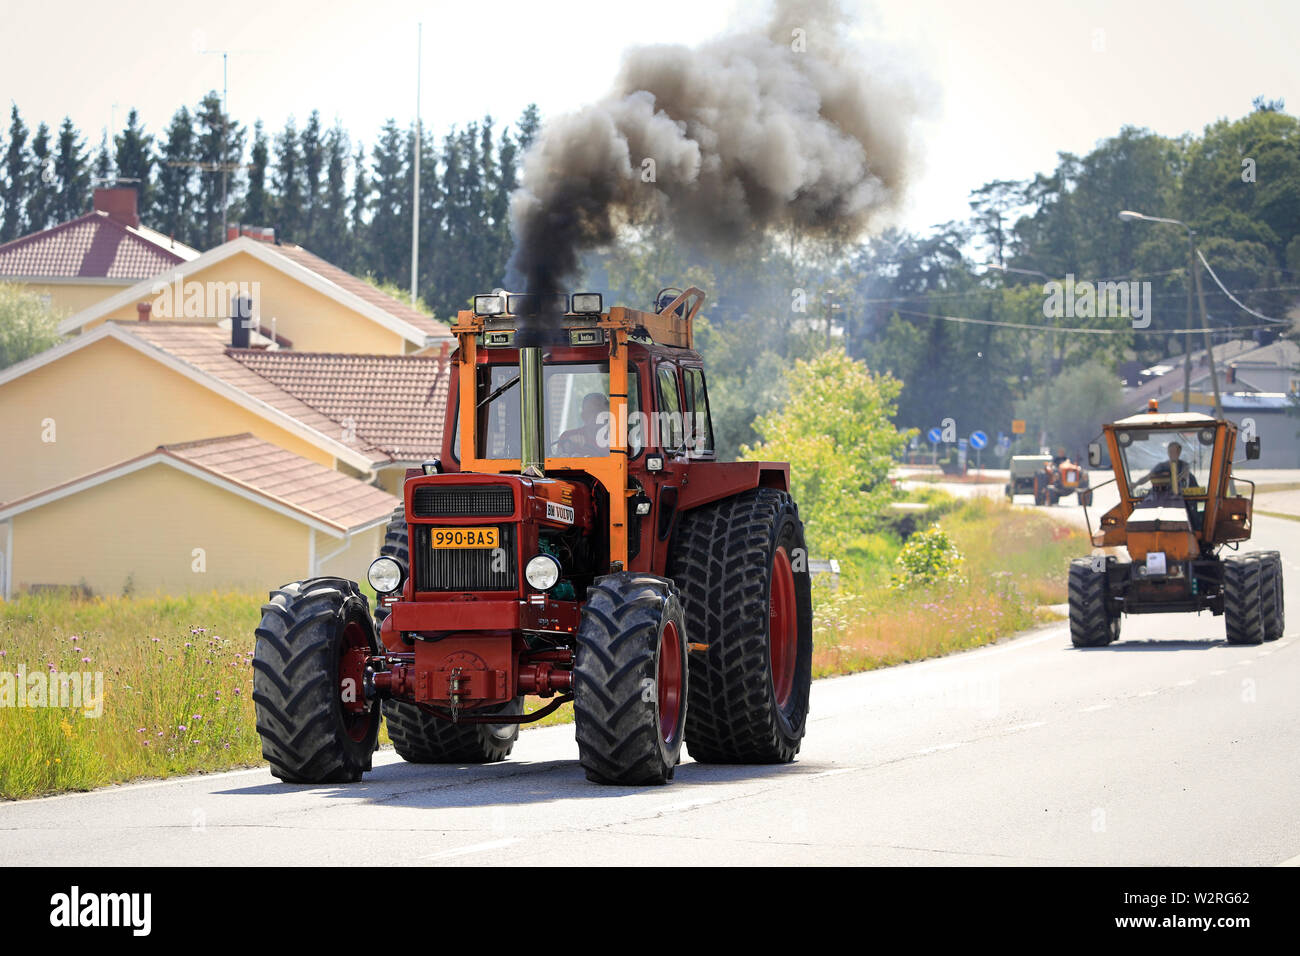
(1193, 279)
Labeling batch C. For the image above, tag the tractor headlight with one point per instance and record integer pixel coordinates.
(492, 304)
(542, 572)
(385, 575)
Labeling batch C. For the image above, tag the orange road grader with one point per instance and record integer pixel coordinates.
(1179, 509)
(577, 540)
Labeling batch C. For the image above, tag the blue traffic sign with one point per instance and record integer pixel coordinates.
(934, 435)
(978, 439)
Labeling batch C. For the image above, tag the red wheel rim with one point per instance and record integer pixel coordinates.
(670, 681)
(782, 635)
(353, 651)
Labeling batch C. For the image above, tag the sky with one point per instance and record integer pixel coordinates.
(1009, 85)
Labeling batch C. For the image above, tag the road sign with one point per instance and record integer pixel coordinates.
(934, 434)
(978, 440)
(1017, 426)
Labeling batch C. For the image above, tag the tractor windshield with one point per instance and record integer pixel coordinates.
(577, 411)
(1173, 461)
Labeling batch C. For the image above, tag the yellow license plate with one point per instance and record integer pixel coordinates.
(465, 538)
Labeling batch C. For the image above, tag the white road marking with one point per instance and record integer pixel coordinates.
(1185, 683)
(1148, 693)
(1094, 707)
(473, 848)
(1217, 673)
(930, 750)
(1029, 726)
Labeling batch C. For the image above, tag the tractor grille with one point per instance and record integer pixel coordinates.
(464, 569)
(463, 501)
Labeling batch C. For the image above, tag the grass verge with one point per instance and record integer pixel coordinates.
(177, 672)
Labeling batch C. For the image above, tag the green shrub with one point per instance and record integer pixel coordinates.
(928, 557)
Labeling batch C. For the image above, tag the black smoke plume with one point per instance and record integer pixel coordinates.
(791, 125)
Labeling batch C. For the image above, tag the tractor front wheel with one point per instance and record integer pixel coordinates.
(308, 669)
(742, 565)
(420, 737)
(1091, 622)
(1243, 616)
(630, 680)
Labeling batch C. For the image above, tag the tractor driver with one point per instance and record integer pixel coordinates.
(591, 438)
(1181, 471)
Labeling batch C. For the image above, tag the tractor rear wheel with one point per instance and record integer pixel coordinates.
(1242, 608)
(742, 565)
(1091, 623)
(309, 661)
(630, 680)
(420, 737)
(396, 545)
(1272, 606)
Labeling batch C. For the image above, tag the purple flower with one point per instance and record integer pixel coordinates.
(196, 716)
(181, 728)
(85, 660)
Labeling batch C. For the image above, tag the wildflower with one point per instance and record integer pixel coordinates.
(196, 716)
(181, 728)
(188, 644)
(85, 660)
(140, 730)
(236, 691)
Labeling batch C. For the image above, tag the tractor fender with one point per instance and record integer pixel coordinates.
(709, 481)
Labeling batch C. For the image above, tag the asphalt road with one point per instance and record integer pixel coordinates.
(1166, 748)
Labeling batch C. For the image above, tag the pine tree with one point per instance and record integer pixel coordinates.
(331, 240)
(14, 179)
(530, 121)
(390, 226)
(41, 194)
(72, 174)
(103, 162)
(220, 144)
(359, 228)
(287, 180)
(313, 160)
(174, 199)
(257, 202)
(135, 160)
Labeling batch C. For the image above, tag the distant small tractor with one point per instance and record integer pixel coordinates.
(577, 541)
(1048, 479)
(1178, 509)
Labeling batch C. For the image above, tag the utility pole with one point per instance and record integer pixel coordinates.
(225, 165)
(1205, 330)
(415, 160)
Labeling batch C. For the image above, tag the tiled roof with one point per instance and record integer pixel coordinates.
(333, 497)
(393, 402)
(90, 246)
(389, 407)
(364, 290)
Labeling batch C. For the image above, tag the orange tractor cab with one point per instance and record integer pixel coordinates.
(577, 540)
(1178, 510)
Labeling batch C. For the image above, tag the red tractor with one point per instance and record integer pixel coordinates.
(578, 541)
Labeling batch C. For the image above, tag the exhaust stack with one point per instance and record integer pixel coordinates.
(532, 414)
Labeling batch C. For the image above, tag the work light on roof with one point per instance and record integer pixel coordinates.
(587, 303)
(491, 304)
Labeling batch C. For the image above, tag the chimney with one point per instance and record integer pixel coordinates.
(118, 203)
(240, 333)
(144, 309)
(260, 233)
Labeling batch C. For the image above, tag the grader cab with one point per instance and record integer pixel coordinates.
(1179, 508)
(577, 540)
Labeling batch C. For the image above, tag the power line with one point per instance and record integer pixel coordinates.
(1235, 301)
(1075, 329)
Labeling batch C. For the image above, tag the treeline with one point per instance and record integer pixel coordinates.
(971, 341)
(316, 185)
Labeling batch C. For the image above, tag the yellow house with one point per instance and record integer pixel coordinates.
(76, 264)
(226, 513)
(294, 298)
(121, 389)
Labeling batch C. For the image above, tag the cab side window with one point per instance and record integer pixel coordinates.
(668, 421)
(698, 425)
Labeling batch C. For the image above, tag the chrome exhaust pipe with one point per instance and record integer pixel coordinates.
(532, 414)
